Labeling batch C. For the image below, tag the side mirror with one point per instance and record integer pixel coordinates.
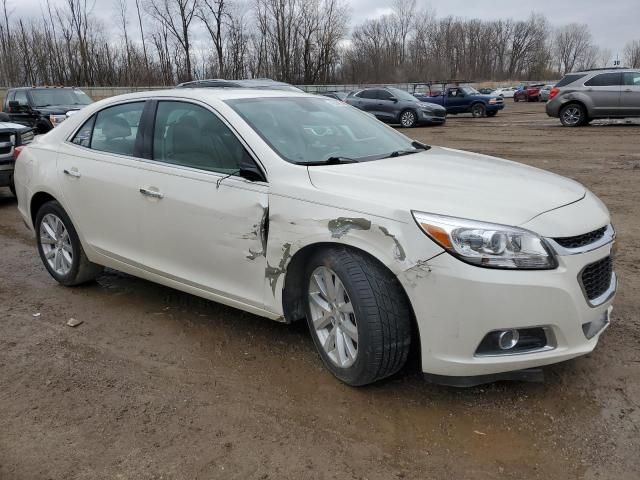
(251, 172)
(393, 99)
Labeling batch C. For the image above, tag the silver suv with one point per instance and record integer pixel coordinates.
(600, 93)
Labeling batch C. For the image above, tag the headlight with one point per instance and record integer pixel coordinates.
(487, 244)
(57, 119)
(26, 137)
(492, 101)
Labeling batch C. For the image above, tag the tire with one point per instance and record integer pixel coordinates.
(492, 114)
(408, 119)
(43, 127)
(12, 187)
(515, 99)
(376, 309)
(66, 245)
(573, 115)
(478, 110)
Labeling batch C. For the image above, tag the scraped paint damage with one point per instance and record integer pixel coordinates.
(340, 226)
(273, 273)
(399, 253)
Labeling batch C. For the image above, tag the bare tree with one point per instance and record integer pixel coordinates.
(214, 14)
(176, 17)
(572, 44)
(632, 54)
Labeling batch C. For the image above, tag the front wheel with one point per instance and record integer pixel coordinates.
(478, 110)
(358, 315)
(573, 115)
(408, 119)
(60, 248)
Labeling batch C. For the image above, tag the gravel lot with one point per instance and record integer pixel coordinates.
(157, 384)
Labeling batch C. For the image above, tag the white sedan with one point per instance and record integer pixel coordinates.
(505, 92)
(293, 206)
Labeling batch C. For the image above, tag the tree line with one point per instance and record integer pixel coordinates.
(163, 42)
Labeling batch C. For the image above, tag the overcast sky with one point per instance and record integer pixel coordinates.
(612, 22)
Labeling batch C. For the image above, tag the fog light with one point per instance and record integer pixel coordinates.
(508, 339)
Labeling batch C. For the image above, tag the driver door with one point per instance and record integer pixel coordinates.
(455, 100)
(387, 106)
(203, 224)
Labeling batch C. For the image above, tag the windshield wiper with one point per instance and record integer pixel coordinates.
(416, 145)
(330, 161)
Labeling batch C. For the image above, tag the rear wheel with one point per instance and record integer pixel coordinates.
(60, 248)
(358, 315)
(408, 119)
(478, 110)
(573, 115)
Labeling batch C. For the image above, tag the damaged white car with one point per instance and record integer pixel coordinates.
(294, 206)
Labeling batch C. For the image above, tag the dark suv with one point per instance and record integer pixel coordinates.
(601, 93)
(42, 108)
(393, 105)
(12, 138)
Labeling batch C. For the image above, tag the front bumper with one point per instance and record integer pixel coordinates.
(6, 171)
(496, 107)
(431, 117)
(457, 304)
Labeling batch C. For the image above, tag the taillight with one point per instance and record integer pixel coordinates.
(553, 92)
(17, 151)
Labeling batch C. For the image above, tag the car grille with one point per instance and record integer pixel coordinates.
(581, 240)
(5, 150)
(596, 278)
(5, 137)
(440, 113)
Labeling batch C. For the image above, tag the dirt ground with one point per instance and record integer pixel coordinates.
(157, 384)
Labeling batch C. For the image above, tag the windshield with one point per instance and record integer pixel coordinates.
(308, 130)
(59, 96)
(401, 94)
(469, 91)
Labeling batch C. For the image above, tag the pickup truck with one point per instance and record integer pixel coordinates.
(464, 99)
(12, 138)
(42, 108)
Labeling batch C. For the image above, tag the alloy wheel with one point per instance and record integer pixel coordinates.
(408, 119)
(572, 115)
(333, 317)
(56, 244)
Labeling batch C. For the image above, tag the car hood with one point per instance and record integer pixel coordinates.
(12, 127)
(58, 109)
(449, 182)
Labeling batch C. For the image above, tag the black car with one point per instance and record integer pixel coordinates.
(42, 108)
(12, 137)
(393, 105)
(259, 83)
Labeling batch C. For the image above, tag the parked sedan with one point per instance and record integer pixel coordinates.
(505, 92)
(545, 92)
(293, 206)
(393, 105)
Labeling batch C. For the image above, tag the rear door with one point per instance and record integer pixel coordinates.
(604, 90)
(630, 96)
(98, 173)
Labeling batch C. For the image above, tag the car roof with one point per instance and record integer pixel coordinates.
(220, 94)
(43, 88)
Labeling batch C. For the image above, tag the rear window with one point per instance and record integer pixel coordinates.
(605, 80)
(569, 79)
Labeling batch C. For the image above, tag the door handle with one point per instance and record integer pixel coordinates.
(151, 193)
(628, 90)
(72, 173)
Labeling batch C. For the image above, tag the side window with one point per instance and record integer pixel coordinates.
(189, 135)
(384, 95)
(21, 98)
(83, 136)
(116, 128)
(10, 97)
(605, 80)
(632, 79)
(369, 94)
